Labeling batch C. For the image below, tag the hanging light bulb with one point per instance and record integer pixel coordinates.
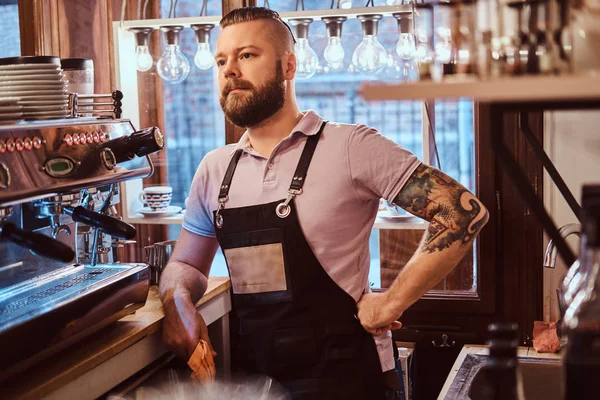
(173, 66)
(204, 58)
(334, 52)
(143, 58)
(308, 62)
(405, 48)
(345, 4)
(370, 56)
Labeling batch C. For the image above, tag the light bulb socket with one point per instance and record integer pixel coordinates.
(172, 34)
(369, 23)
(405, 20)
(142, 35)
(202, 32)
(334, 25)
(301, 27)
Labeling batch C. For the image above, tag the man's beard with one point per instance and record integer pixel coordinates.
(256, 104)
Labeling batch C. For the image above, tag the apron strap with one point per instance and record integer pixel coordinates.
(224, 191)
(304, 163)
(299, 175)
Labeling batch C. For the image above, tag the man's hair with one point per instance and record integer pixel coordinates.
(246, 14)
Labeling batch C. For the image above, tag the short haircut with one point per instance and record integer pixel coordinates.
(284, 37)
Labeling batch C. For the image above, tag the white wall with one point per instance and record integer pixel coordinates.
(572, 141)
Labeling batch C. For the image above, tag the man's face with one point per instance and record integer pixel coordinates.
(251, 76)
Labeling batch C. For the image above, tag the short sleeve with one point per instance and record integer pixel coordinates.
(379, 167)
(198, 217)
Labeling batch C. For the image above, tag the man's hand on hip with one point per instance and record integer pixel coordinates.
(375, 315)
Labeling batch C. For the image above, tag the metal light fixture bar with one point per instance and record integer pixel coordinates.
(314, 14)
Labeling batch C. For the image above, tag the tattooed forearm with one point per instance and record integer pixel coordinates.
(454, 214)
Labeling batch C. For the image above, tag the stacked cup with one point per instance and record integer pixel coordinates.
(157, 198)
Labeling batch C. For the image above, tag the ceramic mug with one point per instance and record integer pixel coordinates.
(157, 198)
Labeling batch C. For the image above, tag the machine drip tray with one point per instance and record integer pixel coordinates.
(46, 314)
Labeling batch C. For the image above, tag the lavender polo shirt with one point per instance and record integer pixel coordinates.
(352, 168)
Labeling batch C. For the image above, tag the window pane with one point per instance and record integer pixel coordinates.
(454, 138)
(10, 41)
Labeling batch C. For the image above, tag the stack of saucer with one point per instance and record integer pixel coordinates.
(10, 110)
(38, 85)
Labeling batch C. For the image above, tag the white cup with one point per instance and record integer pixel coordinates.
(157, 197)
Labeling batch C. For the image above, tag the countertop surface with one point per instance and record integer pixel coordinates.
(522, 353)
(81, 357)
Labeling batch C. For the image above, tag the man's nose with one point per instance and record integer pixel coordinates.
(230, 70)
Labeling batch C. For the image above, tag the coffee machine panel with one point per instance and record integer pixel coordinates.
(59, 192)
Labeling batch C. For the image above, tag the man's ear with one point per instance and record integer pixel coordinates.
(289, 62)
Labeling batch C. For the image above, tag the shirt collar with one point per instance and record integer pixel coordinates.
(308, 126)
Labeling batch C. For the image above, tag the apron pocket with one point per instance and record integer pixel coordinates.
(257, 266)
(343, 343)
(257, 269)
(294, 351)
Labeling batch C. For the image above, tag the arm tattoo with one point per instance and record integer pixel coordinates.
(454, 213)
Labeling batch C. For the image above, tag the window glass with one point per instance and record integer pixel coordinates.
(10, 41)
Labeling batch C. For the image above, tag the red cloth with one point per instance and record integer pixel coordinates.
(202, 363)
(545, 339)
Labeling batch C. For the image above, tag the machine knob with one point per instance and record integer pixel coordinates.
(108, 158)
(140, 143)
(37, 143)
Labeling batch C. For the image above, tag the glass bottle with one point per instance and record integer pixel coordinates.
(424, 28)
(582, 319)
(585, 37)
(460, 41)
(540, 53)
(500, 377)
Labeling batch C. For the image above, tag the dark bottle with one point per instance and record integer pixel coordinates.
(499, 378)
(582, 318)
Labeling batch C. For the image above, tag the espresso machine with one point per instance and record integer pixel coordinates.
(59, 279)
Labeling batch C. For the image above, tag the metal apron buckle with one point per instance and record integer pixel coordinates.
(283, 209)
(218, 216)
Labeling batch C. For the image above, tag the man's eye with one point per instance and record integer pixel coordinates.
(220, 63)
(247, 55)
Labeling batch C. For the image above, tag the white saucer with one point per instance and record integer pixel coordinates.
(47, 82)
(148, 212)
(54, 76)
(398, 217)
(44, 97)
(10, 108)
(35, 88)
(59, 91)
(10, 116)
(26, 102)
(28, 66)
(32, 73)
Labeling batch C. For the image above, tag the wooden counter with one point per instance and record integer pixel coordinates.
(101, 361)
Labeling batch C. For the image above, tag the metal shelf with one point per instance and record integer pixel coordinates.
(503, 90)
(380, 223)
(286, 16)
